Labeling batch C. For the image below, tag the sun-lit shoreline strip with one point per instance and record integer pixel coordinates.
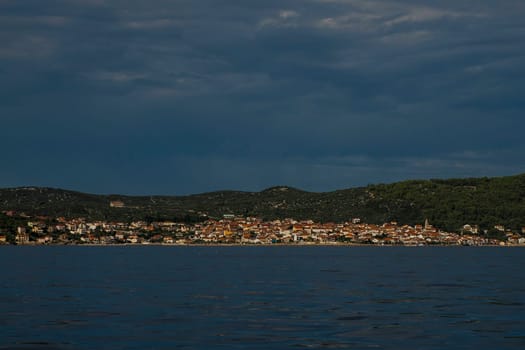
(236, 230)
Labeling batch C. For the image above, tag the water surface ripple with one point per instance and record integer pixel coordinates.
(160, 297)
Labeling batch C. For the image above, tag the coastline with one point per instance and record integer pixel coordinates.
(263, 245)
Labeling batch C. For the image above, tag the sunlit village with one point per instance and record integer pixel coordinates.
(235, 230)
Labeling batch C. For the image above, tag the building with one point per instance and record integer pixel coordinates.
(116, 204)
(22, 238)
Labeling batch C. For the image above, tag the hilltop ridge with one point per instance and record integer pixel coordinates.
(447, 203)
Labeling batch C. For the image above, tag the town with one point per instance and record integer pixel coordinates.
(231, 229)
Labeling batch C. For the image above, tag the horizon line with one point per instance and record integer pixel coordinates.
(275, 187)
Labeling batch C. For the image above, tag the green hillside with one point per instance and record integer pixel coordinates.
(448, 204)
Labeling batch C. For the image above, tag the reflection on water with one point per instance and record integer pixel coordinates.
(261, 297)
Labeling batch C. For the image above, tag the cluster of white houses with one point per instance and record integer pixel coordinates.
(245, 230)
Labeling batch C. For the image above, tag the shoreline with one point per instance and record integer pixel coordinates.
(263, 245)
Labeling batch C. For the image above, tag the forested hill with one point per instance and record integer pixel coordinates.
(448, 204)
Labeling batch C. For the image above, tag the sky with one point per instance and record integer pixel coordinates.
(184, 96)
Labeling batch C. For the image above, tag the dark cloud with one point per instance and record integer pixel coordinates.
(185, 96)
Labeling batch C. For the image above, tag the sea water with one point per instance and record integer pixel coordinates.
(264, 297)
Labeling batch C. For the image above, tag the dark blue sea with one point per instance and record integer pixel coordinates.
(160, 297)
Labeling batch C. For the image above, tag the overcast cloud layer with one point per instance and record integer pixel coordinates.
(178, 97)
